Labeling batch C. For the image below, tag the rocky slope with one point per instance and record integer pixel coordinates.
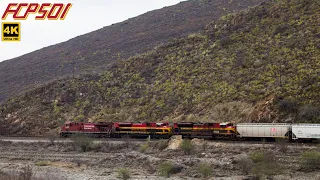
(93, 52)
(260, 65)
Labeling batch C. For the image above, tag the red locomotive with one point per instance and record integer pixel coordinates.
(141, 129)
(100, 129)
(157, 130)
(213, 130)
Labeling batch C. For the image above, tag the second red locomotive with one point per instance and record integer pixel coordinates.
(158, 130)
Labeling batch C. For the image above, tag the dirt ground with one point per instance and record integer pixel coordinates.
(218, 160)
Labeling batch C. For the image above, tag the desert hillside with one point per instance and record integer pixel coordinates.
(93, 52)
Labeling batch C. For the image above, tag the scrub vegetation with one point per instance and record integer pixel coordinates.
(259, 65)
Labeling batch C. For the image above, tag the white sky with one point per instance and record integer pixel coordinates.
(84, 16)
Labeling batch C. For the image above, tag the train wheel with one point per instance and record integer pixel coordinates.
(64, 135)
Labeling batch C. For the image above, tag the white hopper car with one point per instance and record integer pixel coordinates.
(270, 131)
(305, 131)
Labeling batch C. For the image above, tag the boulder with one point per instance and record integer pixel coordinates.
(174, 142)
(197, 142)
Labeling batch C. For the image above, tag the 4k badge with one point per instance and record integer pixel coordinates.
(11, 31)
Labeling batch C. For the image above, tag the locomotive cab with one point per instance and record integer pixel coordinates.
(225, 125)
(226, 129)
(65, 129)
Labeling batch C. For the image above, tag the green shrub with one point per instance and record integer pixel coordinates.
(83, 142)
(225, 41)
(165, 169)
(79, 118)
(310, 160)
(309, 113)
(288, 106)
(144, 147)
(42, 163)
(97, 147)
(257, 156)
(205, 169)
(196, 36)
(245, 164)
(124, 173)
(187, 146)
(266, 164)
(282, 28)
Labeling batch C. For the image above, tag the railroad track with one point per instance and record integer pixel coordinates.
(44, 139)
(137, 140)
(23, 155)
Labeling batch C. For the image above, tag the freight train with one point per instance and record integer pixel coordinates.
(240, 131)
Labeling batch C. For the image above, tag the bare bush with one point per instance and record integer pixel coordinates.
(78, 162)
(52, 137)
(245, 164)
(128, 141)
(160, 145)
(26, 173)
(283, 147)
(205, 146)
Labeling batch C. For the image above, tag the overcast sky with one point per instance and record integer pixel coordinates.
(84, 16)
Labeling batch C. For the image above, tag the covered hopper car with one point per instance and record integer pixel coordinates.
(269, 131)
(305, 131)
